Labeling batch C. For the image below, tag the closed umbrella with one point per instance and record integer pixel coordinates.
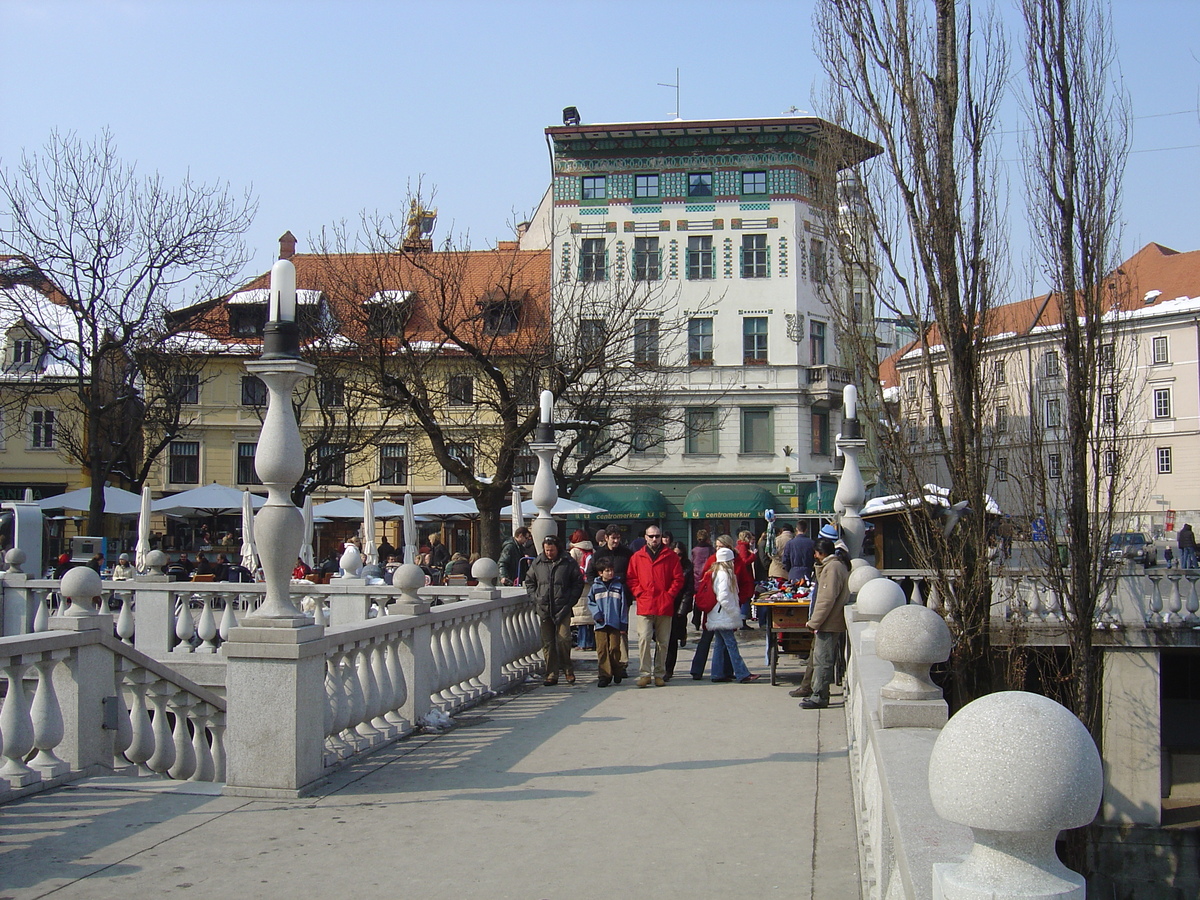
(306, 548)
(143, 542)
(410, 531)
(518, 514)
(369, 552)
(249, 552)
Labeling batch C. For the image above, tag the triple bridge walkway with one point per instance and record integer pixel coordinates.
(693, 790)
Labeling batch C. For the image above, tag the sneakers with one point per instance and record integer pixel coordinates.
(814, 703)
(660, 682)
(800, 692)
(749, 678)
(644, 681)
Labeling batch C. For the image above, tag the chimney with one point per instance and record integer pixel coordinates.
(287, 245)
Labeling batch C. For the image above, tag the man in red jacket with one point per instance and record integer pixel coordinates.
(654, 578)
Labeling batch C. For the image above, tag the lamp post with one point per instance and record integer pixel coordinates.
(851, 490)
(545, 491)
(279, 458)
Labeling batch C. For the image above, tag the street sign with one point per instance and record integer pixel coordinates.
(785, 489)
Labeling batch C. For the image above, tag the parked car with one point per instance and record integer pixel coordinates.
(1132, 546)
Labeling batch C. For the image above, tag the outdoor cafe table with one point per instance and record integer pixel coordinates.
(775, 616)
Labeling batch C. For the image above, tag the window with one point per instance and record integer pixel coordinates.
(700, 341)
(1001, 419)
(247, 319)
(910, 385)
(245, 464)
(700, 184)
(525, 467)
(817, 261)
(645, 187)
(816, 344)
(1054, 466)
(701, 434)
(501, 316)
(525, 388)
(700, 258)
(646, 259)
(754, 340)
(645, 342)
(185, 462)
(754, 256)
(393, 464)
(465, 454)
(1053, 412)
(1111, 463)
(26, 352)
(1002, 468)
(1163, 456)
(592, 260)
(592, 338)
(593, 440)
(1108, 409)
(187, 389)
(999, 375)
(1160, 351)
(912, 431)
(593, 187)
(754, 182)
(820, 433)
(1162, 403)
(1108, 357)
(331, 392)
(756, 431)
(648, 430)
(1050, 367)
(460, 390)
(331, 464)
(41, 429)
(254, 391)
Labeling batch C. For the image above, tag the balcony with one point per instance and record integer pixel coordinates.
(823, 385)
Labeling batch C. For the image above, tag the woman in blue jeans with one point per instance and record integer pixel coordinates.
(724, 621)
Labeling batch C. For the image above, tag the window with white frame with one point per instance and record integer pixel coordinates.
(756, 431)
(41, 429)
(999, 375)
(700, 341)
(1108, 409)
(593, 337)
(184, 462)
(246, 473)
(1054, 466)
(331, 464)
(645, 342)
(646, 259)
(26, 352)
(331, 393)
(648, 430)
(525, 466)
(754, 340)
(701, 434)
(1163, 456)
(460, 390)
(187, 388)
(1111, 461)
(1162, 403)
(1002, 468)
(254, 391)
(1108, 357)
(1001, 419)
(700, 258)
(1053, 412)
(816, 342)
(1050, 364)
(393, 464)
(1160, 351)
(465, 454)
(754, 256)
(592, 260)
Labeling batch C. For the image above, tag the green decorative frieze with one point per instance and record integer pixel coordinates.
(657, 208)
(753, 207)
(783, 256)
(673, 259)
(727, 250)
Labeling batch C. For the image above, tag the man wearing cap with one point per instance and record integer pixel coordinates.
(655, 577)
(798, 554)
(554, 583)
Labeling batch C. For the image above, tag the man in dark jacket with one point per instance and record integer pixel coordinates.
(554, 583)
(798, 554)
(511, 554)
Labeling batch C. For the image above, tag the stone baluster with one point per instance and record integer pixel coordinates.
(370, 691)
(399, 687)
(1174, 599)
(912, 638)
(141, 746)
(205, 770)
(1154, 617)
(916, 596)
(46, 715)
(1193, 598)
(123, 738)
(337, 703)
(184, 765)
(358, 701)
(459, 690)
(206, 627)
(185, 626)
(383, 687)
(1053, 606)
(163, 757)
(125, 623)
(41, 618)
(1015, 768)
(16, 726)
(228, 617)
(1035, 604)
(477, 660)
(216, 728)
(1016, 603)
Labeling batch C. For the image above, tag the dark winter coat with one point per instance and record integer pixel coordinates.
(554, 585)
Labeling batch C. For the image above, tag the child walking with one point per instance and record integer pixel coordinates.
(606, 603)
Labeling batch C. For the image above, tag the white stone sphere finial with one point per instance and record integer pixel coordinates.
(876, 599)
(81, 585)
(912, 638)
(15, 558)
(485, 571)
(351, 561)
(1016, 768)
(860, 574)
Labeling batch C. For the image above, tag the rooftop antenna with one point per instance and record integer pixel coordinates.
(676, 86)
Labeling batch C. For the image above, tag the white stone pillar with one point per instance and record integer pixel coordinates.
(1132, 734)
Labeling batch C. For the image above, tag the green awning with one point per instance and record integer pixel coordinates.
(823, 503)
(727, 501)
(623, 501)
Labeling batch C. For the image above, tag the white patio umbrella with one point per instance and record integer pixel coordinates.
(446, 507)
(116, 501)
(210, 500)
(306, 547)
(518, 514)
(352, 508)
(369, 553)
(563, 507)
(249, 551)
(410, 531)
(143, 542)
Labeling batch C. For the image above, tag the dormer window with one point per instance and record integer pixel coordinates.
(501, 312)
(247, 319)
(387, 311)
(26, 353)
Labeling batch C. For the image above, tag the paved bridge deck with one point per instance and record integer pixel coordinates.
(687, 791)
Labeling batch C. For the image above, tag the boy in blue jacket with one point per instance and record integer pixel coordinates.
(606, 603)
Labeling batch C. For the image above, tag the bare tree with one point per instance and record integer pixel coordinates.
(114, 251)
(1075, 153)
(926, 85)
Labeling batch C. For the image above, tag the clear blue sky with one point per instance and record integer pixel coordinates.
(327, 108)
